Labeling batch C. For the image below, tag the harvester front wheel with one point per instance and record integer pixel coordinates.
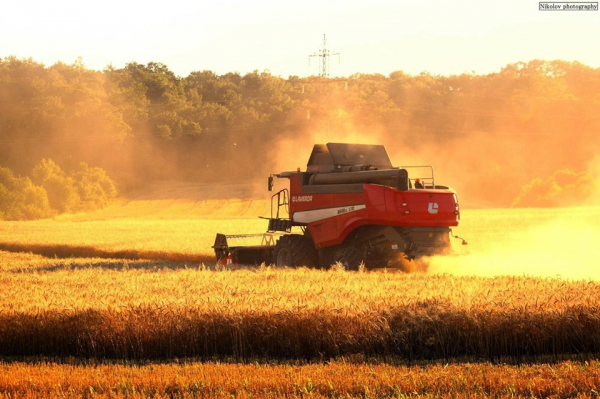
(349, 257)
(294, 250)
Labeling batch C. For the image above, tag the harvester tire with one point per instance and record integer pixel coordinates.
(349, 257)
(294, 250)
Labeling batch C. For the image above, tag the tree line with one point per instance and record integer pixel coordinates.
(51, 191)
(143, 123)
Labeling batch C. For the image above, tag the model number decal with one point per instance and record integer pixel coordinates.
(345, 210)
(314, 215)
(301, 198)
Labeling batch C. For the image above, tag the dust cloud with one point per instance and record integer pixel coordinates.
(486, 170)
(502, 171)
(562, 248)
(525, 158)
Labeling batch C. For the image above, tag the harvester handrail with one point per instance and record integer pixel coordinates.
(423, 178)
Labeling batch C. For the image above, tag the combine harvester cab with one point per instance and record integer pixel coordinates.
(354, 207)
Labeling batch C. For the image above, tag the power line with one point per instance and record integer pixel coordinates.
(77, 137)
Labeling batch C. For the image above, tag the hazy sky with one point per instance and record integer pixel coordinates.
(439, 36)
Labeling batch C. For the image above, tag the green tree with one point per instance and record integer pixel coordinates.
(94, 186)
(62, 193)
(20, 199)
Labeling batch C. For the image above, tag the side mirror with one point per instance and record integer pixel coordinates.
(270, 183)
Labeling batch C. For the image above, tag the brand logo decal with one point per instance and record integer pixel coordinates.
(433, 208)
(301, 198)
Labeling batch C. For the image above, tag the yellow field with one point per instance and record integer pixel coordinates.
(538, 242)
(151, 229)
(325, 380)
(155, 309)
(145, 287)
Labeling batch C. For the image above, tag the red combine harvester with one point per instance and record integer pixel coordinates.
(352, 207)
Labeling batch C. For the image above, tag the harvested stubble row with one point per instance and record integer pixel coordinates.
(130, 313)
(334, 379)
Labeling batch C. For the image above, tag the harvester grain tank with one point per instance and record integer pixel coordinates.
(351, 206)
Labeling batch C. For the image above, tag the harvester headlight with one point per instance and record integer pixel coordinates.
(406, 212)
(404, 204)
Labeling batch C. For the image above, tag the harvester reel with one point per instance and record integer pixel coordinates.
(349, 257)
(294, 250)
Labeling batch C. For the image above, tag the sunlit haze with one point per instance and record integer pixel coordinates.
(379, 36)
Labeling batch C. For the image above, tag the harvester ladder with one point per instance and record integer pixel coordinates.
(283, 200)
(280, 199)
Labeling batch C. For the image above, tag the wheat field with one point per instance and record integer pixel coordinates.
(102, 286)
(157, 310)
(335, 379)
(181, 230)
